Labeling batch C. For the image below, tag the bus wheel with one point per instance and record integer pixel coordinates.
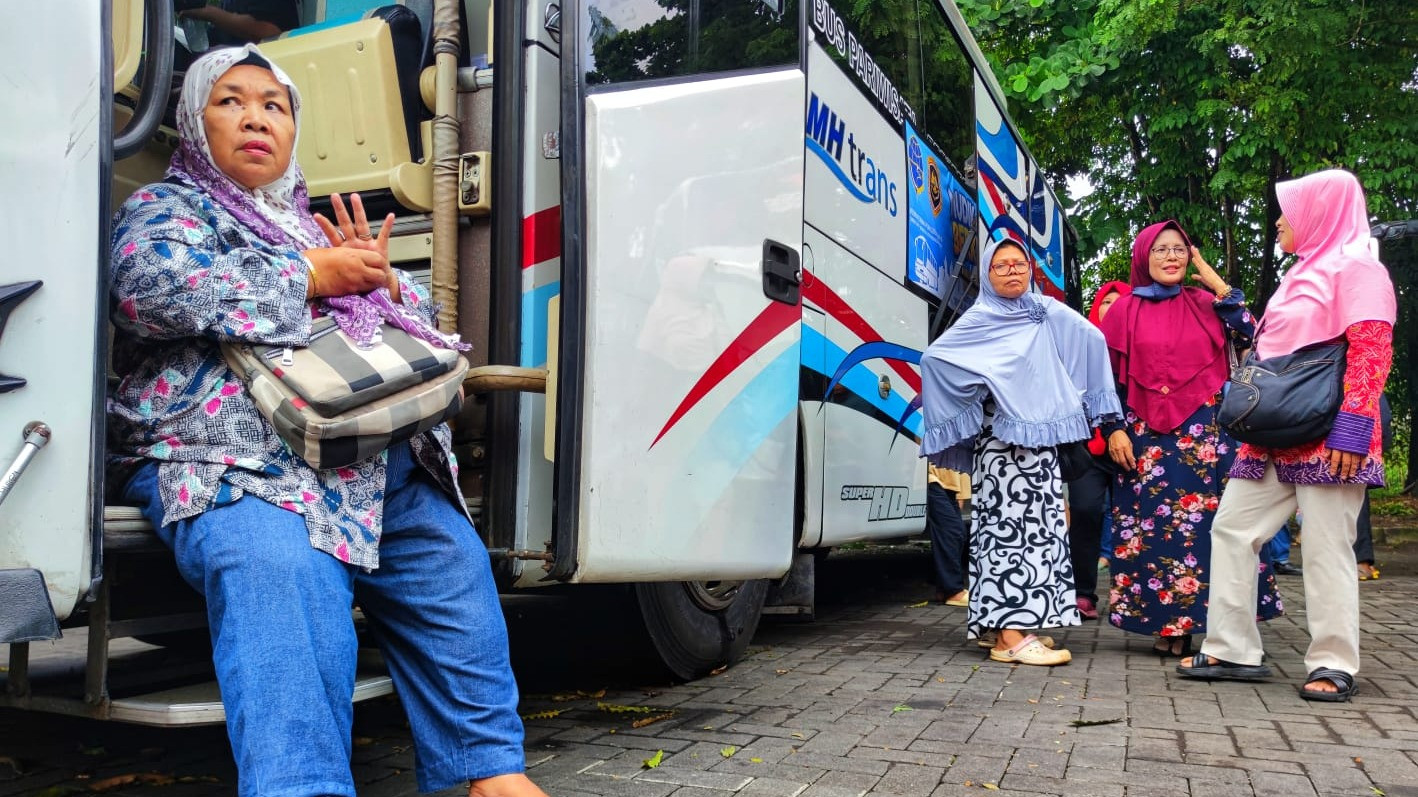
(699, 626)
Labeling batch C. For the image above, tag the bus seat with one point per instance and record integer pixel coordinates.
(359, 86)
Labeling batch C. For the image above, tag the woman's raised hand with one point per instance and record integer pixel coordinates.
(341, 271)
(1207, 275)
(353, 231)
(1120, 449)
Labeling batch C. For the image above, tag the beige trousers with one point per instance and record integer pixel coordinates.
(1251, 512)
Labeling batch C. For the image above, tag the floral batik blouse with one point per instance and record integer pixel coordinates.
(187, 275)
(1356, 428)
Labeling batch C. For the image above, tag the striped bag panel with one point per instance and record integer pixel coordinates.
(339, 440)
(333, 374)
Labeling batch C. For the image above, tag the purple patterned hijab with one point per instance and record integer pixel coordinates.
(279, 212)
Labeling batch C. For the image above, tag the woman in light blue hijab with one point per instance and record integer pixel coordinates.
(1017, 376)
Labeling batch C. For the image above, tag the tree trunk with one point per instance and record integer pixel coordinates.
(1267, 280)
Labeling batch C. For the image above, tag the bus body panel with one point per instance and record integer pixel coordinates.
(874, 483)
(1014, 200)
(689, 423)
(541, 282)
(55, 143)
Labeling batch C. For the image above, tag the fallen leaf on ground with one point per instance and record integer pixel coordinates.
(535, 715)
(901, 707)
(643, 721)
(616, 708)
(578, 695)
(921, 605)
(728, 752)
(782, 672)
(990, 786)
(718, 670)
(755, 761)
(797, 735)
(654, 760)
(1091, 723)
(132, 779)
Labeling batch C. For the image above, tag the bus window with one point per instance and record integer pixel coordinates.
(643, 39)
(947, 110)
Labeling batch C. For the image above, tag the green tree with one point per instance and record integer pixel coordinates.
(1194, 109)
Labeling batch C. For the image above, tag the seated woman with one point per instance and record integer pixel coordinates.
(225, 249)
(1018, 375)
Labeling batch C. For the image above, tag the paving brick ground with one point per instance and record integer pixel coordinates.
(879, 696)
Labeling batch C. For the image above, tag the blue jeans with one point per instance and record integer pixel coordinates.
(284, 642)
(1279, 545)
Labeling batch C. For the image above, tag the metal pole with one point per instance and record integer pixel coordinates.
(36, 436)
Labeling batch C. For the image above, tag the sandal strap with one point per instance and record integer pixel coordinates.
(1024, 643)
(1342, 680)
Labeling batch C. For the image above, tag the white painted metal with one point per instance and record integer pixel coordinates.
(874, 482)
(685, 181)
(540, 283)
(50, 220)
(855, 177)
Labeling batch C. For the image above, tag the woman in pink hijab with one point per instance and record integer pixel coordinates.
(1168, 342)
(1336, 290)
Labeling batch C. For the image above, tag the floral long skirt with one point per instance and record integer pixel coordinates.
(1162, 516)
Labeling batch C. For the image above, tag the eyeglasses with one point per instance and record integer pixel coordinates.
(1161, 251)
(1005, 267)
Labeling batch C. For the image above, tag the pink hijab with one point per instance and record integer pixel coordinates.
(1336, 281)
(1170, 353)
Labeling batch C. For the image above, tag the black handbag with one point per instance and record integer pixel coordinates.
(1286, 401)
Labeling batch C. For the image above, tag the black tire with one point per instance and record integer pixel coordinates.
(697, 627)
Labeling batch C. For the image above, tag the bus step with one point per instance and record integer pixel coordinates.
(201, 704)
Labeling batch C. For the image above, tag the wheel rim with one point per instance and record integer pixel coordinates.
(713, 596)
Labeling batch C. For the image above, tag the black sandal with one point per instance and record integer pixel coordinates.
(1215, 669)
(1343, 683)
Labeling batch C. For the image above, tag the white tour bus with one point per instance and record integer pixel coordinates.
(698, 245)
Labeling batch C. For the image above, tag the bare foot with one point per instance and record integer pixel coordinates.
(1321, 685)
(517, 785)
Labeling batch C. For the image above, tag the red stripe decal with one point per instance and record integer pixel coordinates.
(818, 293)
(541, 236)
(775, 318)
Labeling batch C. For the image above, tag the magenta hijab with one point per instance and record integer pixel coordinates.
(1336, 281)
(1168, 352)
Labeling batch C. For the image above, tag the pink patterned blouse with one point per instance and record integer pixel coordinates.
(1356, 429)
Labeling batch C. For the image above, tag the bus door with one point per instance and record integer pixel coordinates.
(52, 301)
(677, 383)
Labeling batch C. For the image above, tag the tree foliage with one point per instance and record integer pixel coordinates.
(1194, 109)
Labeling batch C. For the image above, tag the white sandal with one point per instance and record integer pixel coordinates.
(1031, 651)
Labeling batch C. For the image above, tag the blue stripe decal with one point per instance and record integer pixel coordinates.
(736, 434)
(860, 380)
(534, 324)
(875, 350)
(836, 168)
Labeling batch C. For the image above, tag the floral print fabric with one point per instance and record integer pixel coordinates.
(1366, 370)
(1162, 529)
(1162, 515)
(187, 275)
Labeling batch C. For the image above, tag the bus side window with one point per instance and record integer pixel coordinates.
(707, 36)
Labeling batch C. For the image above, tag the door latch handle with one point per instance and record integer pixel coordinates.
(782, 278)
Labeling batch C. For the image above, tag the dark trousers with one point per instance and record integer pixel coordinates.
(949, 546)
(1087, 502)
(1364, 540)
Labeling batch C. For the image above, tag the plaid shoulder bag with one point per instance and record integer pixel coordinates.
(335, 403)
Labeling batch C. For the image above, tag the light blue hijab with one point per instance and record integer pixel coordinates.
(1045, 366)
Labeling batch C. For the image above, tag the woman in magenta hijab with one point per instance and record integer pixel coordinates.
(1336, 290)
(1168, 346)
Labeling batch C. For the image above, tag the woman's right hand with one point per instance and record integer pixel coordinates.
(344, 270)
(1120, 449)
